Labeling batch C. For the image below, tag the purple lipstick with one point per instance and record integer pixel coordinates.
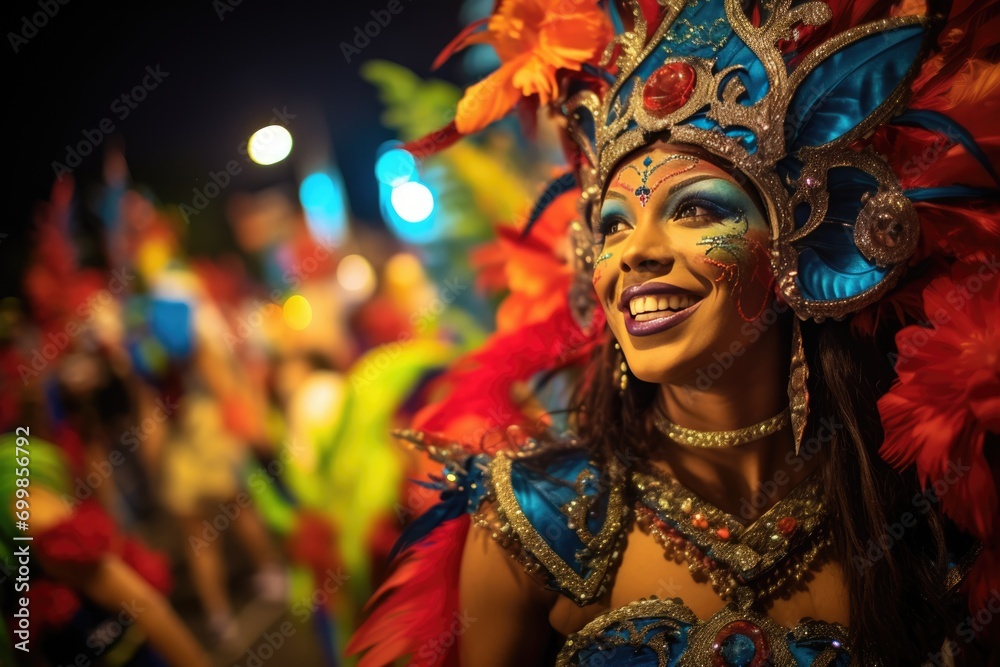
(669, 319)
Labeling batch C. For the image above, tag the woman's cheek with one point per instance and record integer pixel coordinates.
(603, 272)
(754, 277)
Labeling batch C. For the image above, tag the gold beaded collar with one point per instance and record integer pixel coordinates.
(768, 555)
(720, 439)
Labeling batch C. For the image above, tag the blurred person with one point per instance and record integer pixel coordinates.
(96, 595)
(271, 228)
(212, 420)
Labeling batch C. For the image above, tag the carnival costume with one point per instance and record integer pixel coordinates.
(866, 130)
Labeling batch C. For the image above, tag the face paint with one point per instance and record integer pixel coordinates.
(643, 192)
(597, 266)
(733, 250)
(603, 258)
(700, 243)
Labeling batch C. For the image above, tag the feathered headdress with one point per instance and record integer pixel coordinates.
(869, 131)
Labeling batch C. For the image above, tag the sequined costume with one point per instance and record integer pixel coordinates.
(565, 521)
(855, 124)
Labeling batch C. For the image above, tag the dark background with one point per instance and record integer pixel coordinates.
(227, 71)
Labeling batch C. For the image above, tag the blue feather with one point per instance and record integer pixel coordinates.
(938, 122)
(455, 501)
(849, 85)
(951, 192)
(830, 264)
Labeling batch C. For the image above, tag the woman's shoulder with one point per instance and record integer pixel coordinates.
(552, 505)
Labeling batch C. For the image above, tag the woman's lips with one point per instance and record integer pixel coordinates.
(649, 327)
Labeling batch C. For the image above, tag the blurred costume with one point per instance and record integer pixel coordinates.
(65, 623)
(203, 462)
(204, 459)
(857, 124)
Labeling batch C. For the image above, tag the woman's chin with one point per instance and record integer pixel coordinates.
(660, 374)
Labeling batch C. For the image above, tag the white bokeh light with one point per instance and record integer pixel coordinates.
(412, 201)
(269, 145)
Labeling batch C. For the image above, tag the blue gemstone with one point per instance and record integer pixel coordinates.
(737, 650)
(648, 161)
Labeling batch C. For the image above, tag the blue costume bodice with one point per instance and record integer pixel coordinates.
(565, 520)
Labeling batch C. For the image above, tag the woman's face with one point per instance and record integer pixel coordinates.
(682, 272)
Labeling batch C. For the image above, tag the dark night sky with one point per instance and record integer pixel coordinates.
(225, 77)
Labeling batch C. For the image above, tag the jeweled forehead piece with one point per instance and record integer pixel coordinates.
(785, 111)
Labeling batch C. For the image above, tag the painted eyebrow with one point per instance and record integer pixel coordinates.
(665, 202)
(614, 194)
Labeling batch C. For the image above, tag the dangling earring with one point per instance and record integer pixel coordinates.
(798, 392)
(621, 373)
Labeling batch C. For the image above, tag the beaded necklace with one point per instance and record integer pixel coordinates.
(765, 557)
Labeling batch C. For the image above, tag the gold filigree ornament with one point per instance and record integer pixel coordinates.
(766, 114)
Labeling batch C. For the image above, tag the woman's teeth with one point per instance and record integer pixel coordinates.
(650, 307)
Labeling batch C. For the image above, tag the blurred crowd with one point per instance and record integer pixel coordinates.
(212, 474)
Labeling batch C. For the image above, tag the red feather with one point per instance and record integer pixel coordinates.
(535, 333)
(901, 306)
(461, 40)
(414, 609)
(479, 405)
(947, 398)
(970, 233)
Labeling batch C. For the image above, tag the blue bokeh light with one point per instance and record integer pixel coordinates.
(325, 203)
(395, 167)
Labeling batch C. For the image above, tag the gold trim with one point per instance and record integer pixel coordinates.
(798, 386)
(700, 649)
(665, 610)
(720, 439)
(604, 546)
(751, 550)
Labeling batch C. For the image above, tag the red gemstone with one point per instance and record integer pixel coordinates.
(786, 525)
(668, 88)
(723, 533)
(741, 643)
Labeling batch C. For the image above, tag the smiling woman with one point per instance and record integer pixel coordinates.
(724, 495)
(695, 225)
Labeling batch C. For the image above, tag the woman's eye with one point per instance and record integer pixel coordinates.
(613, 226)
(694, 210)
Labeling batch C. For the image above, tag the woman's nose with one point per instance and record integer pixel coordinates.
(647, 250)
